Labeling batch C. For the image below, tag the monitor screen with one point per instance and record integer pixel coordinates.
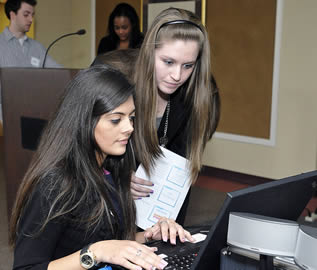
(285, 199)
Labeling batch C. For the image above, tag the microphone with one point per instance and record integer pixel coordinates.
(79, 32)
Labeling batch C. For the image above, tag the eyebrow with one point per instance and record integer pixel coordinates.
(26, 12)
(173, 59)
(121, 113)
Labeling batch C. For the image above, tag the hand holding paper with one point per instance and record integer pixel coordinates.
(171, 179)
(140, 187)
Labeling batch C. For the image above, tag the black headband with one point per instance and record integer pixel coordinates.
(180, 22)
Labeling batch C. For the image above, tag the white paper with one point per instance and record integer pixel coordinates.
(171, 179)
(199, 237)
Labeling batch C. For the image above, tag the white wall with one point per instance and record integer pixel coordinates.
(295, 148)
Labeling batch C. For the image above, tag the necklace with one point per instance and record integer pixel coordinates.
(164, 139)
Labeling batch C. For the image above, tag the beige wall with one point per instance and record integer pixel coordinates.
(58, 17)
(295, 148)
(81, 45)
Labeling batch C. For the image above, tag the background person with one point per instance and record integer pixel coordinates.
(18, 50)
(75, 197)
(177, 100)
(121, 60)
(123, 30)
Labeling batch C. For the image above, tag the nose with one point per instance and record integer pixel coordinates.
(128, 126)
(176, 73)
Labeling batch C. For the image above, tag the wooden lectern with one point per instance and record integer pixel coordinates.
(29, 96)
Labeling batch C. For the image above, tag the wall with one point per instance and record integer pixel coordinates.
(295, 148)
(58, 17)
(82, 45)
(241, 36)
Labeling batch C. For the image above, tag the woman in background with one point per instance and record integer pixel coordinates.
(74, 208)
(177, 100)
(123, 30)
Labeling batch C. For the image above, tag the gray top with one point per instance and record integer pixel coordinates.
(30, 54)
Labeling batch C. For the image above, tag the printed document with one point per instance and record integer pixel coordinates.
(171, 179)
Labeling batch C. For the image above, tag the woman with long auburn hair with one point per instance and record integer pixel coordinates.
(177, 100)
(74, 208)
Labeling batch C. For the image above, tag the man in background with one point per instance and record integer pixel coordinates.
(16, 49)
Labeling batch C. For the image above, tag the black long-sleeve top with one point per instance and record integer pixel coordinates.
(61, 237)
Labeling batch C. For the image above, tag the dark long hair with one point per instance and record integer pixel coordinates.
(125, 10)
(65, 166)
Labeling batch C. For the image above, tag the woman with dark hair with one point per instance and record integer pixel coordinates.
(74, 207)
(177, 99)
(123, 30)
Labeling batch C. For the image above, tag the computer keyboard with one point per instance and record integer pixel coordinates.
(179, 262)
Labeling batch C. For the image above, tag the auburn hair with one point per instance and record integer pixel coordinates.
(201, 92)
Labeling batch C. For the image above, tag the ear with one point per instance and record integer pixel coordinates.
(12, 15)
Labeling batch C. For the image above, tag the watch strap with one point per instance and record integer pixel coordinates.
(85, 249)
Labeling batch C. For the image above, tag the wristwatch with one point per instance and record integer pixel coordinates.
(87, 258)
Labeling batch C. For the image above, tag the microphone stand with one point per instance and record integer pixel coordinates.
(79, 32)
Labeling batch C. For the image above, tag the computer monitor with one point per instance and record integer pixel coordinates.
(285, 199)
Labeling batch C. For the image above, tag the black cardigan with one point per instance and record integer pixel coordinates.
(177, 133)
(59, 238)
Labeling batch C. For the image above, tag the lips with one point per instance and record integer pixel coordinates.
(172, 85)
(124, 141)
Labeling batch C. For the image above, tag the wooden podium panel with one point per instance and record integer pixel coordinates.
(27, 94)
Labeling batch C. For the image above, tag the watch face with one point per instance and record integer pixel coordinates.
(87, 261)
